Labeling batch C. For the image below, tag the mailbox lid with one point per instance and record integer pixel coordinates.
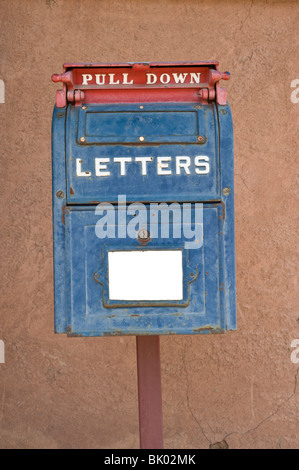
(90, 313)
(150, 152)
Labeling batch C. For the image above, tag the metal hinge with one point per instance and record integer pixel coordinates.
(62, 96)
(214, 92)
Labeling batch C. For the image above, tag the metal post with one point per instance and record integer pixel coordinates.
(149, 392)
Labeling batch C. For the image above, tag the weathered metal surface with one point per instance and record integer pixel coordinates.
(90, 312)
(59, 205)
(170, 132)
(149, 151)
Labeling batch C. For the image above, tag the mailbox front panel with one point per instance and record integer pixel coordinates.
(150, 152)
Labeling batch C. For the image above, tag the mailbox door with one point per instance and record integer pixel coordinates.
(91, 311)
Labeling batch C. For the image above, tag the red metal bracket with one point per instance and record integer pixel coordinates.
(75, 96)
(142, 67)
(68, 93)
(138, 82)
(66, 77)
(214, 92)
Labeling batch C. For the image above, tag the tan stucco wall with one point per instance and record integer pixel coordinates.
(60, 392)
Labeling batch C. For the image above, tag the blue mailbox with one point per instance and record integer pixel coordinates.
(143, 200)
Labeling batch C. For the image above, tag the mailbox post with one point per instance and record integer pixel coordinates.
(143, 206)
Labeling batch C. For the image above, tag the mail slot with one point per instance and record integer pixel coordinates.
(143, 200)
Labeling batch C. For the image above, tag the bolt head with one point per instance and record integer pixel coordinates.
(143, 234)
(60, 194)
(226, 191)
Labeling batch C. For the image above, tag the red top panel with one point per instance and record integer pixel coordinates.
(140, 82)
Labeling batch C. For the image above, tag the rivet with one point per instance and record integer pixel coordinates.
(141, 138)
(82, 139)
(141, 107)
(83, 107)
(201, 139)
(60, 194)
(226, 191)
(143, 234)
